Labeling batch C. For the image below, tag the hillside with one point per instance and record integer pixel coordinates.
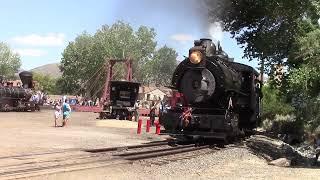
(48, 69)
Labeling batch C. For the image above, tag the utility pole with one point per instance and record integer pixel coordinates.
(262, 70)
(261, 80)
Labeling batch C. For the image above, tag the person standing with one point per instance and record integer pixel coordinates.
(64, 98)
(66, 112)
(57, 113)
(136, 110)
(161, 107)
(152, 113)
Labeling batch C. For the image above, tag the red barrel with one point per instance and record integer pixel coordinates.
(139, 126)
(158, 128)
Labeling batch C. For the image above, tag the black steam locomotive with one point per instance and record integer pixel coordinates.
(213, 97)
(18, 98)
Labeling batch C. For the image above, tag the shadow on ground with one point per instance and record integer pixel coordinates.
(272, 149)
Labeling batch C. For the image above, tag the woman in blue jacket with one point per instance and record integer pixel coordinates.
(66, 112)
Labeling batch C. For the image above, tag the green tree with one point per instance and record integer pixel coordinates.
(304, 80)
(160, 69)
(84, 59)
(279, 32)
(9, 61)
(267, 29)
(46, 83)
(77, 63)
(274, 103)
(121, 41)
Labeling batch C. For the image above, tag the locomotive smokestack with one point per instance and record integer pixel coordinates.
(26, 78)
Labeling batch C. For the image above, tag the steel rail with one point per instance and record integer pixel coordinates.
(125, 147)
(155, 150)
(154, 155)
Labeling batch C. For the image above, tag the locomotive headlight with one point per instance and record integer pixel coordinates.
(195, 57)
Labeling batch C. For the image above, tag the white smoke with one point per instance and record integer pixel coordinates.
(183, 38)
(216, 31)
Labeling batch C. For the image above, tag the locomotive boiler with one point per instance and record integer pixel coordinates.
(17, 98)
(213, 97)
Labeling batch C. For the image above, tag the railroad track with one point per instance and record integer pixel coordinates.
(37, 164)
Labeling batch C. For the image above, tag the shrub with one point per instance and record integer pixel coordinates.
(310, 114)
(273, 103)
(290, 129)
(283, 124)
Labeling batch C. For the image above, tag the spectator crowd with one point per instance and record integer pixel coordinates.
(72, 100)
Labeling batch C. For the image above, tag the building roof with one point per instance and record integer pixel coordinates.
(166, 90)
(148, 89)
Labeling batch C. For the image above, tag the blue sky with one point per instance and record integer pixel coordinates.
(40, 30)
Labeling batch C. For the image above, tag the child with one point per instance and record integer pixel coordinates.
(57, 112)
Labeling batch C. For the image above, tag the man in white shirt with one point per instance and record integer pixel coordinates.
(136, 111)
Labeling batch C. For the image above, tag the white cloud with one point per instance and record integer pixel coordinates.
(183, 38)
(319, 21)
(30, 52)
(50, 39)
(216, 31)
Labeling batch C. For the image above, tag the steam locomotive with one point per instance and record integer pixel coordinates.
(17, 98)
(214, 97)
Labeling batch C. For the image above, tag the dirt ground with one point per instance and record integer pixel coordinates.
(35, 132)
(22, 133)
